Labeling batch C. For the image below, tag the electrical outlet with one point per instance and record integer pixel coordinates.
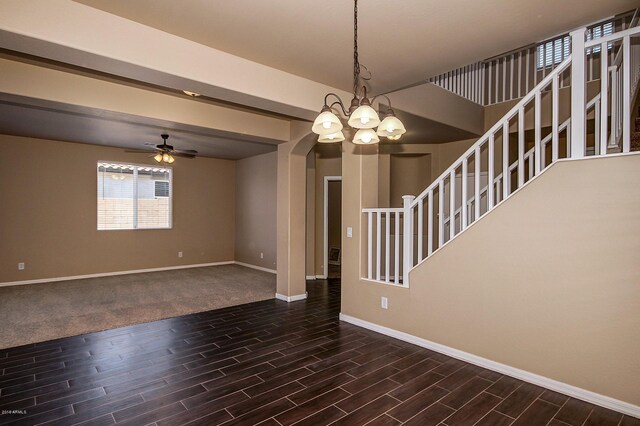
(261, 255)
(20, 266)
(179, 254)
(384, 303)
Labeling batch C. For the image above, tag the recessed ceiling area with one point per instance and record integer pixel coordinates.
(119, 131)
(401, 42)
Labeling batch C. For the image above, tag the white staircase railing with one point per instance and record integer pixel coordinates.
(467, 81)
(510, 75)
(507, 157)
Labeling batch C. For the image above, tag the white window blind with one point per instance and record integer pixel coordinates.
(554, 51)
(598, 32)
(132, 196)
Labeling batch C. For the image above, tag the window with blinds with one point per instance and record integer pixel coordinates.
(554, 51)
(132, 196)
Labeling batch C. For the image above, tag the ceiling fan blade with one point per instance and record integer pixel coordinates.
(183, 155)
(186, 151)
(138, 151)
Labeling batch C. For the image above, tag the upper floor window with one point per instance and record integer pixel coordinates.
(597, 32)
(133, 196)
(554, 51)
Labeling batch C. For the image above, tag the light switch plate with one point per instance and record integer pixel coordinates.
(384, 303)
(349, 232)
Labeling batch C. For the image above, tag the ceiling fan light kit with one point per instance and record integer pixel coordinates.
(361, 116)
(165, 153)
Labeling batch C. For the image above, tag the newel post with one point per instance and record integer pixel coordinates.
(578, 93)
(407, 238)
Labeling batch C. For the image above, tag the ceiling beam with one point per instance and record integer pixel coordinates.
(44, 87)
(69, 32)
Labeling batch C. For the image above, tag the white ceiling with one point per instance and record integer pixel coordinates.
(401, 42)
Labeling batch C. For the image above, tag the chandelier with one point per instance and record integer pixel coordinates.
(361, 116)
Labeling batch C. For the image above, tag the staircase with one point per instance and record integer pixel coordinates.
(635, 137)
(505, 158)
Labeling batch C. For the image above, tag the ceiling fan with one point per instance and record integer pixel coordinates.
(165, 153)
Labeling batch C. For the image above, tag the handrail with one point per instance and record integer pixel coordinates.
(383, 210)
(508, 116)
(613, 37)
(634, 18)
(593, 101)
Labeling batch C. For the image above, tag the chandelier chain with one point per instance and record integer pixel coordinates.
(356, 62)
(362, 117)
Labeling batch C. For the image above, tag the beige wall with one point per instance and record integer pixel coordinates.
(409, 174)
(440, 105)
(531, 285)
(435, 157)
(291, 196)
(256, 183)
(48, 213)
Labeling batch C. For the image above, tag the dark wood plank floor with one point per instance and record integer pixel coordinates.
(268, 363)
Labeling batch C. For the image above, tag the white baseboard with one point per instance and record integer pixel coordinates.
(310, 277)
(321, 277)
(110, 274)
(573, 391)
(259, 268)
(291, 298)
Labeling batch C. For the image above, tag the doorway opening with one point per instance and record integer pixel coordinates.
(332, 226)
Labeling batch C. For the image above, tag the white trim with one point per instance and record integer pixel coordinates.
(573, 391)
(310, 277)
(321, 277)
(110, 274)
(135, 196)
(259, 268)
(382, 280)
(290, 299)
(326, 221)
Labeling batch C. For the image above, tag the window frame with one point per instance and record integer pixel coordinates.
(135, 192)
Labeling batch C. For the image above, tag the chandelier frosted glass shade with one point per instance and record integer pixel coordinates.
(390, 127)
(326, 123)
(331, 137)
(364, 117)
(366, 137)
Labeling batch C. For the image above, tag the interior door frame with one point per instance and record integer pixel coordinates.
(327, 179)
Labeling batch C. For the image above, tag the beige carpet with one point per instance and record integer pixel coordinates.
(38, 312)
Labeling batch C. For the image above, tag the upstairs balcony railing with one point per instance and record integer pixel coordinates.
(511, 75)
